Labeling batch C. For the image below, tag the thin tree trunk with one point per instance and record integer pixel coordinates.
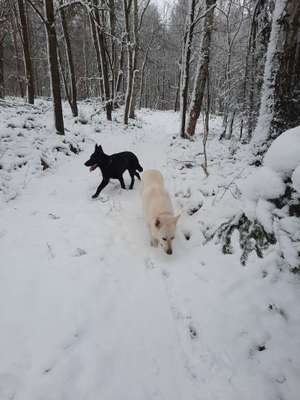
(18, 67)
(1, 68)
(72, 75)
(86, 71)
(202, 70)
(142, 76)
(112, 22)
(104, 61)
(26, 52)
(120, 73)
(185, 65)
(53, 65)
(127, 8)
(206, 127)
(177, 91)
(97, 50)
(136, 72)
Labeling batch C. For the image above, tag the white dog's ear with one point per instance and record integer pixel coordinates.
(157, 222)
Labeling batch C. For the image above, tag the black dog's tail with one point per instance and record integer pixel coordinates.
(139, 168)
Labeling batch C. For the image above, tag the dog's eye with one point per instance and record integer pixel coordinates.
(165, 239)
(172, 238)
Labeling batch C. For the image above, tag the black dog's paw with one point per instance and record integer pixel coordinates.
(94, 196)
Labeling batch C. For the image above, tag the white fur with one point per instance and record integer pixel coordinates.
(158, 211)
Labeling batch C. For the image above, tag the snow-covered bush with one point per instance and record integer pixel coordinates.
(270, 205)
(29, 144)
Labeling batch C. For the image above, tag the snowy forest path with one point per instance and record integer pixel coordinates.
(96, 309)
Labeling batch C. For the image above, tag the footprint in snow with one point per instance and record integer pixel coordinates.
(53, 216)
(192, 332)
(257, 348)
(79, 252)
(165, 273)
(149, 263)
(275, 309)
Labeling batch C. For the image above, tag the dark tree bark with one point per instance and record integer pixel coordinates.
(53, 66)
(18, 67)
(287, 101)
(72, 76)
(185, 65)
(136, 72)
(103, 58)
(127, 8)
(2, 67)
(280, 104)
(97, 50)
(113, 50)
(142, 78)
(120, 72)
(26, 52)
(177, 91)
(202, 70)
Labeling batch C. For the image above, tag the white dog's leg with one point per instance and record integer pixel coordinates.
(154, 242)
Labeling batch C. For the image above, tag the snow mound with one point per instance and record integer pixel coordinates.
(283, 155)
(263, 183)
(296, 179)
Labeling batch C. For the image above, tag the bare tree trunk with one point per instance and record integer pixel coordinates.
(142, 76)
(86, 70)
(127, 8)
(2, 67)
(185, 65)
(26, 52)
(104, 60)
(72, 75)
(18, 67)
(112, 22)
(247, 72)
(280, 105)
(202, 70)
(53, 65)
(177, 91)
(98, 57)
(120, 72)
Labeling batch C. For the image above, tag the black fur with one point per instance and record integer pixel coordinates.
(113, 167)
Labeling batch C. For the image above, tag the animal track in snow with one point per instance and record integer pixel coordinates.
(79, 252)
(192, 332)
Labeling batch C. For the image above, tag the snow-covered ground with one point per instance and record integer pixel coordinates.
(88, 310)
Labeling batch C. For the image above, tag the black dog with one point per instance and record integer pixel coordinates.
(113, 167)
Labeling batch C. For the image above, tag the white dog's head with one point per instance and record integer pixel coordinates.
(165, 228)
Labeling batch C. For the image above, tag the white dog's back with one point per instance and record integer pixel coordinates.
(156, 199)
(158, 210)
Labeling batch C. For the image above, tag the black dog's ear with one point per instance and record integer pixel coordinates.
(96, 147)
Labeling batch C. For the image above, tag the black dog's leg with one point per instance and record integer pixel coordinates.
(137, 175)
(100, 187)
(131, 173)
(122, 182)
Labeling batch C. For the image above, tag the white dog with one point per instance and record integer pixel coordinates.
(158, 211)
